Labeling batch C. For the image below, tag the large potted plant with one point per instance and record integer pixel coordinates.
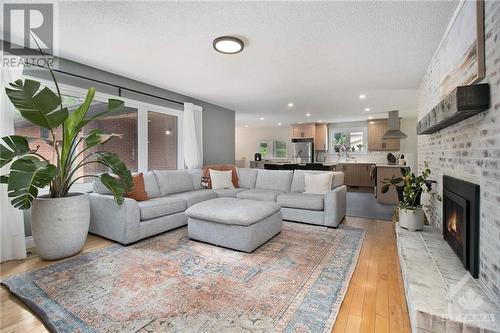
(60, 220)
(410, 188)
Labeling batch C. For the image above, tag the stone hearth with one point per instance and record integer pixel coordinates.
(441, 295)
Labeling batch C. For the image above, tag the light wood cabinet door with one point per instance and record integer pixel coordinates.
(376, 129)
(303, 131)
(321, 137)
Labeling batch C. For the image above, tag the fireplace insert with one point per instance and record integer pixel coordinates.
(461, 221)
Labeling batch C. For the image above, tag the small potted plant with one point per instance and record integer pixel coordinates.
(59, 220)
(410, 188)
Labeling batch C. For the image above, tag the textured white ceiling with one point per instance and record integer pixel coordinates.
(319, 55)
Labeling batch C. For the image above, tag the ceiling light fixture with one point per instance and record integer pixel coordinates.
(279, 124)
(167, 132)
(228, 45)
(320, 121)
(261, 118)
(290, 105)
(367, 109)
(370, 117)
(308, 114)
(362, 96)
(246, 126)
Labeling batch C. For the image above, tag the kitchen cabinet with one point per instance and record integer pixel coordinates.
(356, 174)
(321, 137)
(376, 129)
(303, 131)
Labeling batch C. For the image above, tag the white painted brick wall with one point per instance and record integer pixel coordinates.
(470, 150)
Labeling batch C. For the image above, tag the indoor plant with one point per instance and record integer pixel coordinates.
(60, 220)
(410, 188)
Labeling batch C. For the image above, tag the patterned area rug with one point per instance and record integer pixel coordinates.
(293, 283)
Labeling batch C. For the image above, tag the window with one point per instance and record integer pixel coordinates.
(280, 149)
(353, 139)
(162, 141)
(264, 149)
(140, 152)
(273, 149)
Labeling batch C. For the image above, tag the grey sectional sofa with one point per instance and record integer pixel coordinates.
(172, 192)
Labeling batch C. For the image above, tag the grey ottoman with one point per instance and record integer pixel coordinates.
(242, 225)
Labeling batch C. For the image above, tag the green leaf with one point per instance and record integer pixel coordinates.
(40, 108)
(16, 146)
(117, 167)
(96, 137)
(113, 104)
(385, 188)
(115, 185)
(4, 179)
(27, 175)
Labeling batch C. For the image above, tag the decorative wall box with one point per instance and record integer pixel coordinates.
(463, 102)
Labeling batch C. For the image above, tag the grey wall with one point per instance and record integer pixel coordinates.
(218, 122)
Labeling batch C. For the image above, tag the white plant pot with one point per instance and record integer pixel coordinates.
(60, 225)
(411, 219)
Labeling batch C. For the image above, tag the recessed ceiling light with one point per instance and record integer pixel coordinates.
(320, 121)
(290, 105)
(299, 122)
(370, 117)
(228, 44)
(279, 124)
(367, 109)
(261, 118)
(246, 126)
(308, 114)
(362, 96)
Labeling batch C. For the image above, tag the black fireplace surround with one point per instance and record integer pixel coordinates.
(461, 221)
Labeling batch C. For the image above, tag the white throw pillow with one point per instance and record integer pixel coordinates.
(319, 183)
(221, 179)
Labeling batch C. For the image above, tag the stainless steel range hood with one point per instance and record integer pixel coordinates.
(394, 132)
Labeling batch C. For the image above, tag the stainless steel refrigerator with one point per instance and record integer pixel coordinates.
(303, 150)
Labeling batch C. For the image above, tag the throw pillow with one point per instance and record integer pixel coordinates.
(220, 167)
(138, 192)
(318, 183)
(221, 179)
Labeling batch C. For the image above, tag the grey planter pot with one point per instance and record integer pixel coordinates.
(60, 225)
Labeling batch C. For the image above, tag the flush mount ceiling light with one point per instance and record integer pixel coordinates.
(290, 105)
(367, 109)
(279, 124)
(261, 118)
(362, 96)
(228, 45)
(308, 114)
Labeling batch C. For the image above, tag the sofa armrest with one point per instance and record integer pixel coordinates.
(110, 220)
(335, 206)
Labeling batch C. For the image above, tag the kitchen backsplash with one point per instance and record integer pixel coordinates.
(370, 157)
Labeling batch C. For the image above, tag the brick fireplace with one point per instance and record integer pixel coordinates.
(461, 221)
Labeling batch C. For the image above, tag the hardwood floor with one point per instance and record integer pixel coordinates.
(374, 302)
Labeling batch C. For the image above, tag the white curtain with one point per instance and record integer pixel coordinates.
(192, 136)
(12, 238)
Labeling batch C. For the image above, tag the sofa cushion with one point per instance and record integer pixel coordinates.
(232, 211)
(277, 180)
(247, 177)
(173, 181)
(150, 185)
(319, 183)
(228, 192)
(221, 167)
(162, 206)
(301, 201)
(193, 197)
(259, 195)
(298, 182)
(196, 177)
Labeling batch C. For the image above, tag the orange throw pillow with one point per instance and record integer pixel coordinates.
(221, 167)
(138, 192)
